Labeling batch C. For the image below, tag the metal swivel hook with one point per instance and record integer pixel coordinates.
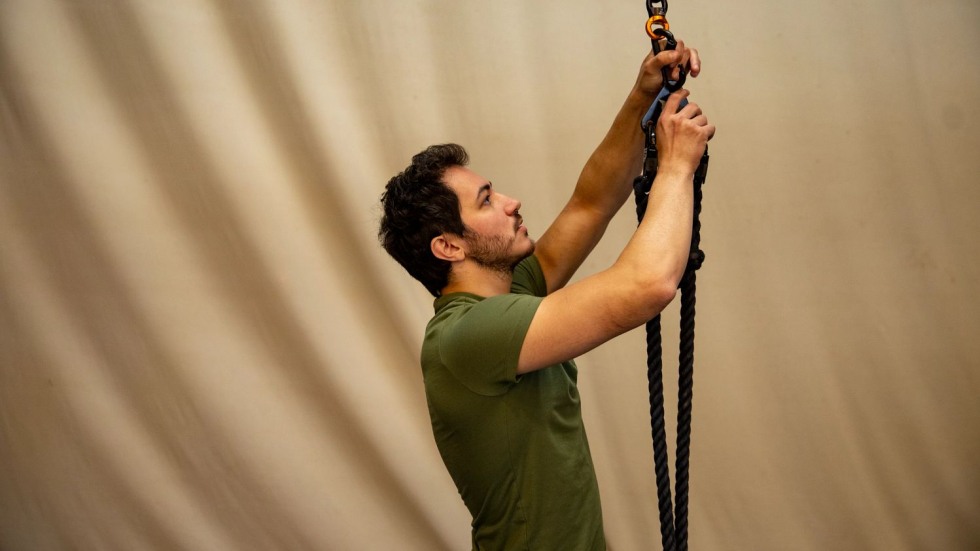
(652, 10)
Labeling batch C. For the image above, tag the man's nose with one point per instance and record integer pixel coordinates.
(513, 205)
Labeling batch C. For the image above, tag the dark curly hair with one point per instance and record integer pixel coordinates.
(418, 206)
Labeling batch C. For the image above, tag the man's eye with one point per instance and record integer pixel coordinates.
(486, 200)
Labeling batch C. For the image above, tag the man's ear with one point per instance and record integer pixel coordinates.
(447, 247)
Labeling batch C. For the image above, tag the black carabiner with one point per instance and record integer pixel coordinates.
(658, 17)
(671, 85)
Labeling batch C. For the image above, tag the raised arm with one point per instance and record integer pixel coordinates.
(644, 278)
(606, 180)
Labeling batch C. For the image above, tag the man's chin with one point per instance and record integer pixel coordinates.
(530, 249)
(521, 257)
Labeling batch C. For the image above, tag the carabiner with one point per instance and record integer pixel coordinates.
(663, 33)
(658, 16)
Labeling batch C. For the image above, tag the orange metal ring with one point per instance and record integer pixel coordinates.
(657, 20)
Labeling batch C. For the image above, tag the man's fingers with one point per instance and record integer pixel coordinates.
(666, 57)
(674, 100)
(695, 63)
(690, 111)
(678, 58)
(685, 56)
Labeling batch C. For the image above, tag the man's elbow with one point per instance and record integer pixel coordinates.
(662, 292)
(650, 296)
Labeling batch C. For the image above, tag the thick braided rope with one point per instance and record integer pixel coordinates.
(685, 392)
(685, 377)
(655, 385)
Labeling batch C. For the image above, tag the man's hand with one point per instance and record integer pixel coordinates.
(682, 134)
(606, 181)
(650, 80)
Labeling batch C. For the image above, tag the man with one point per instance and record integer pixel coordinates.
(497, 358)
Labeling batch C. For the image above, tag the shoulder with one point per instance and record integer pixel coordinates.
(479, 340)
(465, 311)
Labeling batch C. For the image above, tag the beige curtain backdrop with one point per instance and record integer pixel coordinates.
(203, 347)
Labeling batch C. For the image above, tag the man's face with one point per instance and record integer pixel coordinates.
(498, 239)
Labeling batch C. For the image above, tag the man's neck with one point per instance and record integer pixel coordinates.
(478, 280)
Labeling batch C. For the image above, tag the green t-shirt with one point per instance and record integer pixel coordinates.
(514, 445)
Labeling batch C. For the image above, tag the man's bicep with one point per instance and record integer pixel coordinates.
(578, 318)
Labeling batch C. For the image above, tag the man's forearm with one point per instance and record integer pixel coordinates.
(606, 180)
(602, 188)
(661, 244)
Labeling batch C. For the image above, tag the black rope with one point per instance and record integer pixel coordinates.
(655, 384)
(685, 377)
(673, 524)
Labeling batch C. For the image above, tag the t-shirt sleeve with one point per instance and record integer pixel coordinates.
(482, 347)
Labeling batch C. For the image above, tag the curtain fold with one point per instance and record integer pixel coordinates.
(202, 345)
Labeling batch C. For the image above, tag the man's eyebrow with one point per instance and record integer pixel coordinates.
(484, 188)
